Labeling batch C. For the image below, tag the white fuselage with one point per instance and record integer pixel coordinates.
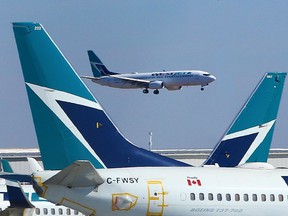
(177, 191)
(172, 80)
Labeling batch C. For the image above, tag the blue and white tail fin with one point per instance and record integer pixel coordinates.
(70, 123)
(98, 68)
(249, 137)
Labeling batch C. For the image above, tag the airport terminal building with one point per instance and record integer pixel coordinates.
(18, 161)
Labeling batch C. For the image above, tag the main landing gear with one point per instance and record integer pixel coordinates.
(156, 91)
(146, 91)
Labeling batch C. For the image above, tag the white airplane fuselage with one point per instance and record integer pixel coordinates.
(177, 191)
(172, 80)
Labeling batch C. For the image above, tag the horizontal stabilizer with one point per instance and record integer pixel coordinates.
(16, 177)
(79, 174)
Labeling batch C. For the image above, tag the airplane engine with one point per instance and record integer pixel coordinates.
(156, 85)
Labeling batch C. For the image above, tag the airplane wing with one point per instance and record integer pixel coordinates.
(79, 174)
(91, 78)
(137, 82)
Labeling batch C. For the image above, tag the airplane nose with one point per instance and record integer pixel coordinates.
(212, 78)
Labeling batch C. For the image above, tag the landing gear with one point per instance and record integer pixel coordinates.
(145, 91)
(202, 88)
(156, 91)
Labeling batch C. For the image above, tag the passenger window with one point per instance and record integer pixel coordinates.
(37, 211)
(263, 198)
(68, 211)
(75, 212)
(219, 197)
(45, 211)
(246, 198)
(192, 196)
(272, 197)
(210, 196)
(52, 211)
(237, 197)
(60, 211)
(254, 197)
(201, 196)
(281, 197)
(228, 197)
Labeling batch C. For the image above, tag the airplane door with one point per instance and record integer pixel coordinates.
(156, 198)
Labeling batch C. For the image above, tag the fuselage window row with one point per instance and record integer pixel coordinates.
(237, 197)
(44, 211)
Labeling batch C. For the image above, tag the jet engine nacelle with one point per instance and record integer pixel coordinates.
(156, 85)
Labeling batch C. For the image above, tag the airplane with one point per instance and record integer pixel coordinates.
(171, 80)
(72, 115)
(151, 191)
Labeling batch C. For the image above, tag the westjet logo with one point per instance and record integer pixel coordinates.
(193, 181)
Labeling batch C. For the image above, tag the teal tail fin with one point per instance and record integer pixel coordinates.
(6, 167)
(70, 124)
(249, 137)
(98, 68)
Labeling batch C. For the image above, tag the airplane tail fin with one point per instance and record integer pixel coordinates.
(98, 68)
(70, 123)
(249, 137)
(6, 167)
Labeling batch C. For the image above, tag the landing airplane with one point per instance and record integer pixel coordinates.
(151, 191)
(172, 80)
(70, 115)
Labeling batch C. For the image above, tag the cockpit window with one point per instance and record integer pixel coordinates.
(206, 74)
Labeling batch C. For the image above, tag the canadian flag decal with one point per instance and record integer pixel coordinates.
(193, 181)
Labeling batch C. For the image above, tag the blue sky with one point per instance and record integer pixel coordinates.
(237, 41)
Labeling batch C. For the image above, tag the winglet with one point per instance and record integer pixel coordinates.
(34, 165)
(17, 197)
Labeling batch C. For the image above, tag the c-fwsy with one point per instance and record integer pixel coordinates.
(172, 80)
(150, 190)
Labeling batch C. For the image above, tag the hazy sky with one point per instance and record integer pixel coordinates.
(237, 41)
